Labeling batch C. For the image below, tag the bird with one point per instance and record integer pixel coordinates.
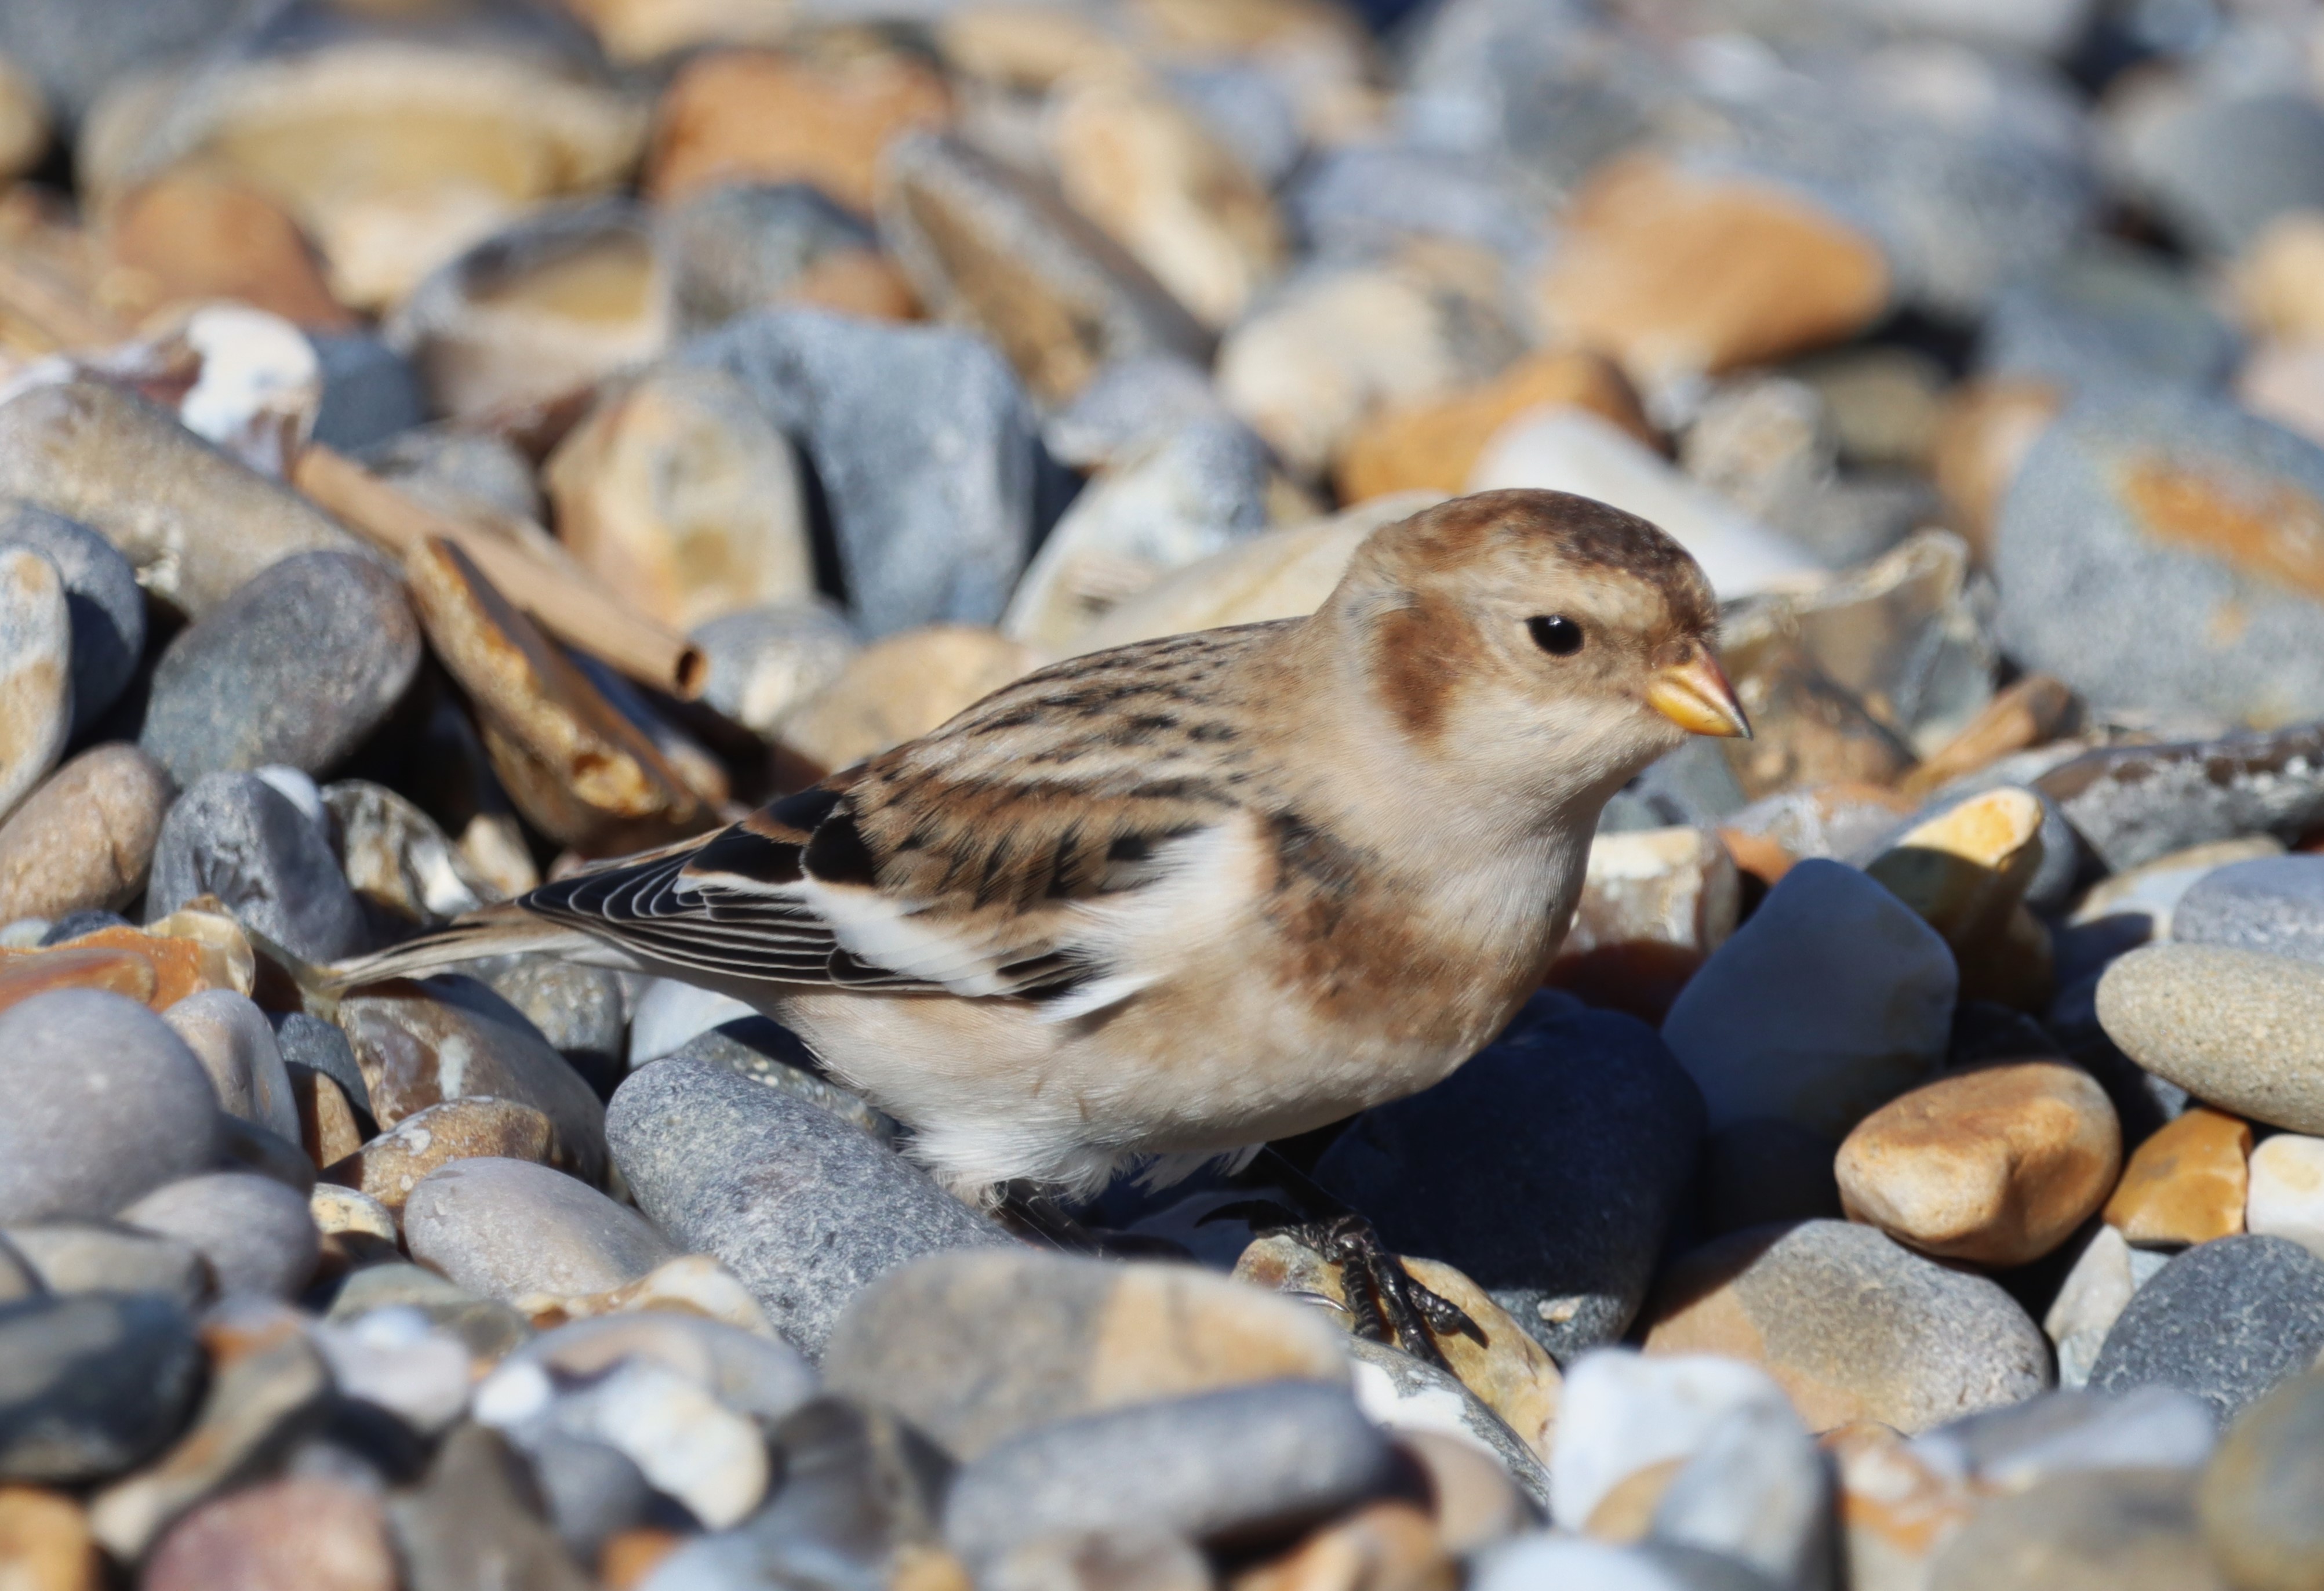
(1150, 907)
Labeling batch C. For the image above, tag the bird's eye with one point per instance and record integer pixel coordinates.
(1554, 634)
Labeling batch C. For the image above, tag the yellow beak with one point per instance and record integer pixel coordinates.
(1695, 696)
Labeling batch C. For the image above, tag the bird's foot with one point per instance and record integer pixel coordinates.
(1388, 1303)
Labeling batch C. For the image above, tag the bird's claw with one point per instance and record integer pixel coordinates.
(1388, 1303)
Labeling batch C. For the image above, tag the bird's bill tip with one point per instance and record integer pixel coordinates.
(1695, 696)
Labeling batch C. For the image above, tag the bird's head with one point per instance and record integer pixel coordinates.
(1538, 639)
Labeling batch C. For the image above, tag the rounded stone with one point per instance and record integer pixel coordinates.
(104, 1103)
(2262, 1499)
(296, 668)
(2189, 1182)
(392, 1166)
(2238, 1028)
(83, 840)
(1997, 1165)
(232, 1038)
(91, 1385)
(2106, 1530)
(256, 1233)
(35, 671)
(505, 1228)
(1852, 1325)
(236, 836)
(103, 602)
(2227, 1321)
(2271, 904)
(298, 1533)
(2287, 1190)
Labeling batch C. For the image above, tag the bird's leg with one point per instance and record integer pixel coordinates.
(1388, 1302)
(1032, 1213)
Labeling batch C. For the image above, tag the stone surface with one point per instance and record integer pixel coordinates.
(1760, 1044)
(691, 1284)
(2187, 1183)
(1627, 1416)
(930, 1342)
(104, 607)
(2227, 1321)
(236, 836)
(2152, 512)
(2270, 904)
(1966, 872)
(988, 248)
(191, 236)
(392, 1166)
(803, 1207)
(1756, 1492)
(256, 1233)
(486, 1329)
(1852, 1325)
(231, 1038)
(296, 668)
(765, 661)
(2091, 1299)
(1997, 1165)
(401, 866)
(766, 1052)
(898, 688)
(508, 1227)
(1655, 904)
(92, 1385)
(155, 971)
(36, 709)
(195, 524)
(1569, 1111)
(106, 1257)
(2219, 168)
(1223, 1468)
(2262, 1499)
(2106, 313)
(2287, 1190)
(299, 1534)
(478, 1513)
(84, 837)
(923, 444)
(44, 1538)
(741, 246)
(1416, 1401)
(2235, 1027)
(105, 1103)
(677, 492)
(449, 1038)
(579, 1010)
(2126, 1530)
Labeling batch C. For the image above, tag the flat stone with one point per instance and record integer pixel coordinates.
(449, 1038)
(1431, 1172)
(2135, 804)
(301, 1530)
(2123, 1529)
(1852, 1325)
(296, 668)
(310, 1042)
(105, 1103)
(2262, 1501)
(193, 238)
(740, 246)
(153, 972)
(923, 443)
(369, 391)
(508, 1227)
(1221, 1469)
(2234, 1027)
(196, 524)
(103, 604)
(898, 688)
(83, 839)
(2270, 904)
(256, 1233)
(748, 1373)
(2220, 167)
(1997, 1165)
(1081, 1338)
(2092, 1296)
(1655, 903)
(68, 1257)
(236, 836)
(92, 1385)
(765, 661)
(1833, 999)
(2187, 1183)
(390, 1167)
(1966, 872)
(2287, 1190)
(35, 671)
(231, 1038)
(803, 1207)
(2227, 1320)
(476, 1519)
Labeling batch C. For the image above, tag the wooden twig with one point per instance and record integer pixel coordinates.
(560, 599)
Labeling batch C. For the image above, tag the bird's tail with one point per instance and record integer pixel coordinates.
(507, 929)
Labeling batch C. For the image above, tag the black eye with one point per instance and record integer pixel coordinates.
(1554, 634)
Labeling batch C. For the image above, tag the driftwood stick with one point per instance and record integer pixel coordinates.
(560, 599)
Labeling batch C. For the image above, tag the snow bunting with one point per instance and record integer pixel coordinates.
(1166, 903)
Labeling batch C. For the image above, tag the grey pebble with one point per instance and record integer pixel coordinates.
(505, 1228)
(2241, 1029)
(256, 1233)
(102, 597)
(2270, 904)
(91, 1385)
(236, 836)
(106, 1256)
(2227, 1320)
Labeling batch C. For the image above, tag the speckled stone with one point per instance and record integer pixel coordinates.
(2241, 1029)
(2270, 904)
(2133, 804)
(2227, 1320)
(84, 838)
(390, 1167)
(297, 1533)
(236, 836)
(507, 1228)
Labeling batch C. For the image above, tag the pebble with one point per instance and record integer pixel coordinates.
(390, 1167)
(2092, 1296)
(2273, 904)
(295, 668)
(36, 706)
(1419, 1403)
(105, 609)
(2219, 168)
(693, 1284)
(1079, 1338)
(898, 688)
(2116, 1529)
(667, 1015)
(766, 1052)
(1966, 871)
(2262, 1501)
(298, 1533)
(764, 662)
(44, 1538)
(923, 443)
(2135, 804)
(2011, 1449)
(1223, 1468)
(92, 1384)
(188, 237)
(485, 1328)
(805, 1208)
(449, 1038)
(2106, 314)
(1852, 1325)
(1877, 1024)
(104, 1104)
(2235, 1027)
(2187, 1183)
(399, 862)
(256, 1233)
(2286, 1198)
(1755, 1491)
(231, 1038)
(236, 836)
(508, 1227)
(739, 247)
(1611, 1124)
(1627, 1415)
(104, 1257)
(1550, 1559)
(1763, 1169)
(322, 1046)
(678, 491)
(1997, 1165)
(83, 839)
(578, 1009)
(479, 1513)
(2227, 1320)
(1655, 903)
